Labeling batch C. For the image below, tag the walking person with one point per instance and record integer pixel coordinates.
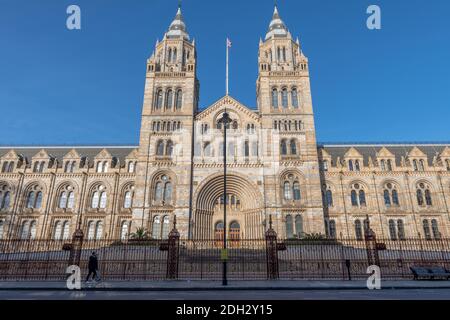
(92, 266)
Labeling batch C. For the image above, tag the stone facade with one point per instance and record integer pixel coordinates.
(274, 166)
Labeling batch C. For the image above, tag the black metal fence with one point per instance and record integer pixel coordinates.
(201, 259)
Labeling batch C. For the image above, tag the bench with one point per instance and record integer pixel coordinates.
(430, 272)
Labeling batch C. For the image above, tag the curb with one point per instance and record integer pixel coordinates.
(221, 288)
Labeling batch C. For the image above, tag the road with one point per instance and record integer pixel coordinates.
(390, 294)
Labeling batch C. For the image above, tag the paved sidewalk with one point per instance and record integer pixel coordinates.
(178, 285)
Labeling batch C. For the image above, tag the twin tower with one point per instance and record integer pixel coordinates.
(272, 152)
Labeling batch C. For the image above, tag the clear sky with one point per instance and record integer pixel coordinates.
(76, 87)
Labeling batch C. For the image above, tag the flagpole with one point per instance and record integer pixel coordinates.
(226, 81)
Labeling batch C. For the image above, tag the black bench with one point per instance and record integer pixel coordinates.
(430, 272)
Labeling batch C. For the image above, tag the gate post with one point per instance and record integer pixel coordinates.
(173, 252)
(76, 246)
(271, 252)
(371, 248)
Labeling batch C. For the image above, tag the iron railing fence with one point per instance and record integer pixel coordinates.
(201, 259)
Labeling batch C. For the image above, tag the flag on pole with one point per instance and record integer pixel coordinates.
(228, 43)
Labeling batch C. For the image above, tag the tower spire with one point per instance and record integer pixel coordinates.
(277, 28)
(177, 28)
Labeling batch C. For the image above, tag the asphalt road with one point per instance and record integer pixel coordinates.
(390, 294)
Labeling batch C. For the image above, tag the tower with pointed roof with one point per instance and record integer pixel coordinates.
(170, 102)
(285, 105)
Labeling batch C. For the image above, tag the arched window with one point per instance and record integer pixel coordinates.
(329, 198)
(66, 198)
(435, 229)
(33, 226)
(296, 191)
(158, 191)
(284, 98)
(179, 99)
(99, 167)
(383, 165)
(174, 58)
(160, 148)
(57, 231)
(421, 165)
(156, 228)
(169, 55)
(389, 165)
(392, 230)
(332, 229)
(350, 165)
(395, 198)
(103, 199)
(168, 192)
(401, 229)
(105, 166)
(131, 166)
(283, 147)
(289, 227)
(246, 148)
(358, 230)
(95, 199)
(34, 198)
(63, 200)
(287, 191)
(98, 199)
(66, 230)
(159, 99)
(294, 97)
(25, 230)
(423, 194)
(127, 200)
(165, 227)
(98, 230)
(299, 225)
(169, 99)
(387, 198)
(293, 145)
(362, 198)
(207, 149)
(124, 230)
(357, 168)
(274, 98)
(426, 229)
(5, 197)
(91, 230)
(169, 148)
(354, 198)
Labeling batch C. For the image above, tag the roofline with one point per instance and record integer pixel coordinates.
(381, 144)
(71, 147)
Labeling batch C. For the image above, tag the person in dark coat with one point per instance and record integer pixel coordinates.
(92, 266)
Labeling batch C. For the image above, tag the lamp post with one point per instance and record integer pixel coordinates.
(225, 120)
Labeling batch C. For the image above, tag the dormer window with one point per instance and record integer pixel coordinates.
(39, 166)
(102, 166)
(69, 167)
(131, 166)
(418, 165)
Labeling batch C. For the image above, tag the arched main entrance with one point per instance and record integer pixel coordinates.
(244, 210)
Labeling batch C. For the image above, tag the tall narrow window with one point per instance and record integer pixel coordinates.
(131, 167)
(289, 227)
(169, 99)
(179, 99)
(169, 148)
(392, 230)
(99, 167)
(358, 230)
(283, 147)
(419, 195)
(395, 198)
(329, 197)
(158, 191)
(63, 200)
(435, 229)
(350, 165)
(294, 97)
(426, 229)
(66, 230)
(165, 227)
(156, 228)
(95, 198)
(298, 225)
(362, 198)
(246, 149)
(160, 148)
(91, 230)
(293, 144)
(33, 226)
(428, 197)
(98, 230)
(354, 198)
(401, 229)
(284, 98)
(287, 191)
(127, 200)
(124, 230)
(387, 199)
(159, 100)
(57, 232)
(168, 192)
(357, 168)
(274, 98)
(296, 191)
(1, 229)
(333, 229)
(103, 199)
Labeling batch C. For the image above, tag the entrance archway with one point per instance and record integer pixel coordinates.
(244, 208)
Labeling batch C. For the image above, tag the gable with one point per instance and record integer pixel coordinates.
(42, 154)
(232, 105)
(416, 152)
(10, 155)
(352, 153)
(72, 154)
(103, 154)
(384, 153)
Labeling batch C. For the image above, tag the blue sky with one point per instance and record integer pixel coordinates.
(76, 87)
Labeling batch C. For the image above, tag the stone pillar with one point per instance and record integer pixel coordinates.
(173, 252)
